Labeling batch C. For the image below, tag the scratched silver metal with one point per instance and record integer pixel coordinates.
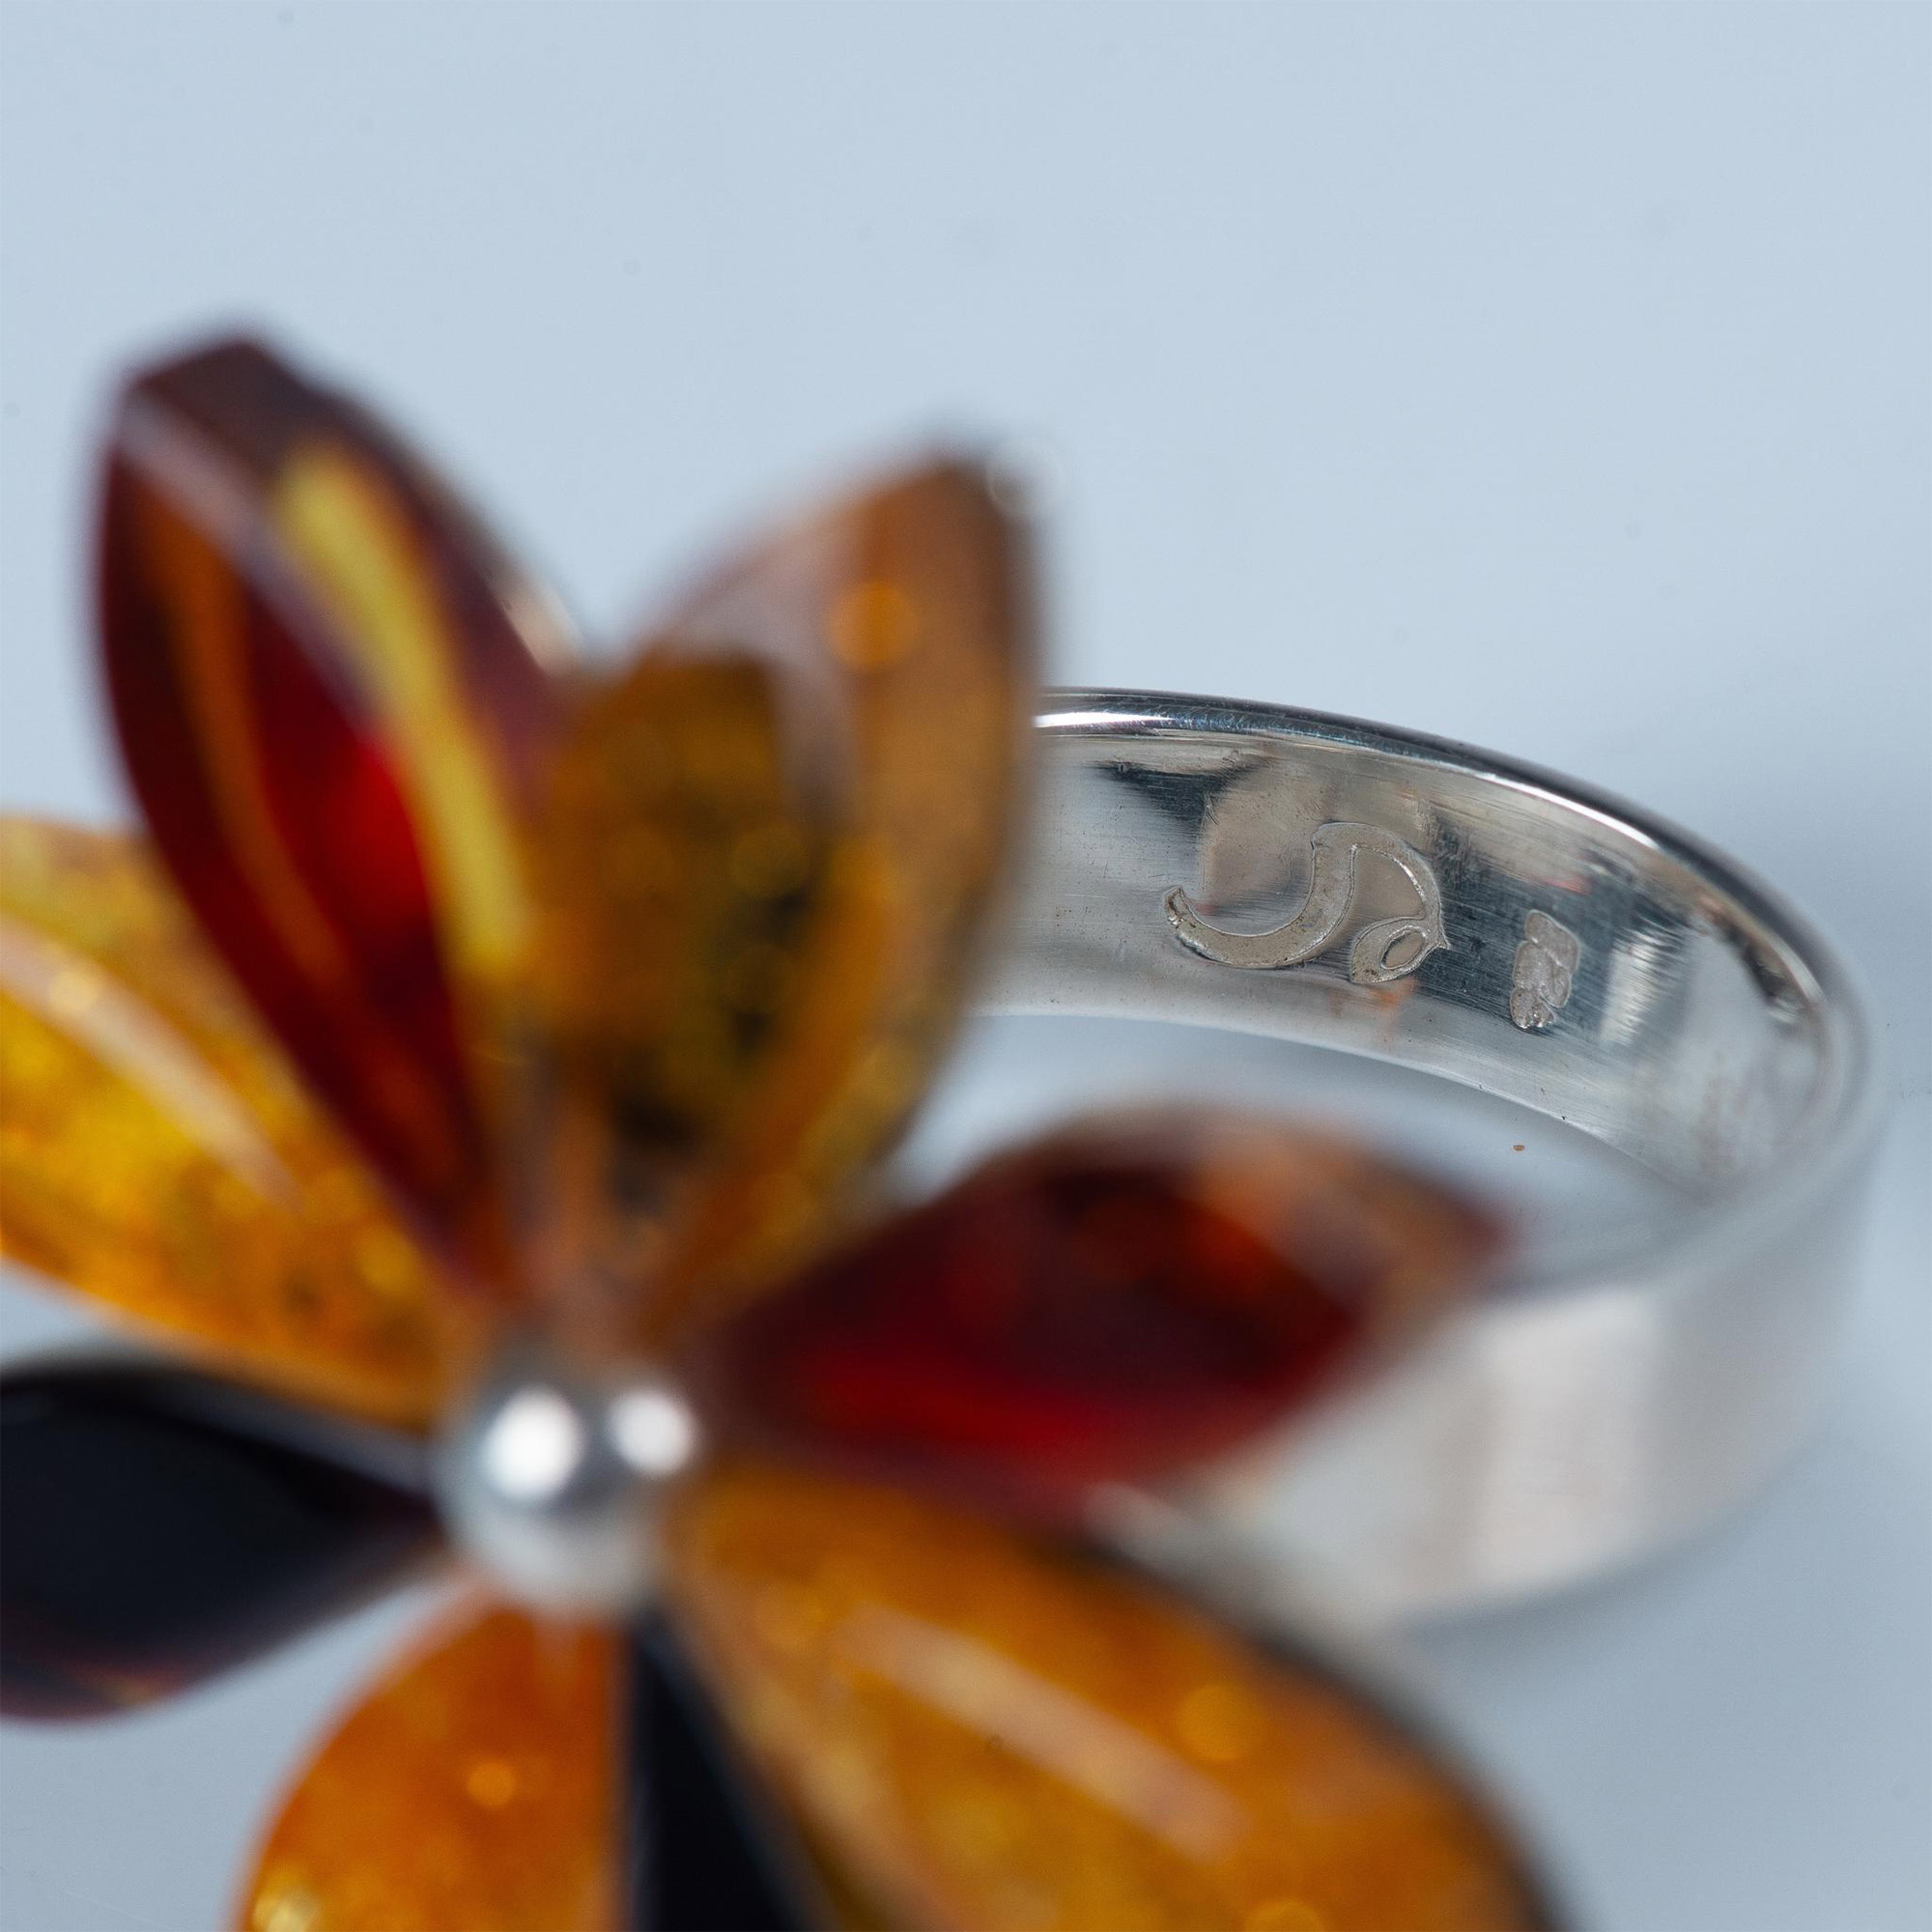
(1323, 880)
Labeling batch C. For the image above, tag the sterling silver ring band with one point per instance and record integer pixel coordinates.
(1320, 880)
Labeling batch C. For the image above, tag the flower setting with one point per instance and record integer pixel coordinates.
(484, 1069)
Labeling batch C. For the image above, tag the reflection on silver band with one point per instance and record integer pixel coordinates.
(1501, 927)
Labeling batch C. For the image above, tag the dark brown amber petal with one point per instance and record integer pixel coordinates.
(330, 694)
(708, 1850)
(1111, 1303)
(157, 1526)
(157, 1152)
(991, 1731)
(765, 860)
(475, 1789)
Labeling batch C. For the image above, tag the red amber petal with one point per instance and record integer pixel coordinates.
(478, 1787)
(1109, 1304)
(991, 1731)
(765, 858)
(328, 699)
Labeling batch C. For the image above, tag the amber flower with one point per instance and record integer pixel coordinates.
(484, 1052)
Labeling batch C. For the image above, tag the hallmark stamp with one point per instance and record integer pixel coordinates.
(1546, 966)
(1383, 952)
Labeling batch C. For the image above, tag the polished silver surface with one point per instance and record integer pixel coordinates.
(1336, 883)
(551, 1479)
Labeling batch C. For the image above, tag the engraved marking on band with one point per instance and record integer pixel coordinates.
(1383, 952)
(1545, 967)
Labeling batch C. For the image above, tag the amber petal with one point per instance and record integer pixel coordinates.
(994, 1732)
(763, 869)
(328, 699)
(476, 1787)
(1110, 1303)
(707, 1850)
(156, 1153)
(157, 1526)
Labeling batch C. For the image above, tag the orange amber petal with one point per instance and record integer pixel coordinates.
(767, 855)
(476, 1789)
(331, 698)
(992, 1732)
(156, 1153)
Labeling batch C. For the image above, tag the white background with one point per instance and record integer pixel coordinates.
(1554, 378)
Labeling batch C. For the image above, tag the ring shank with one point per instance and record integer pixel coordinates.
(1549, 946)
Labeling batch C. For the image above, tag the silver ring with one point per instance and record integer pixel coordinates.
(1342, 884)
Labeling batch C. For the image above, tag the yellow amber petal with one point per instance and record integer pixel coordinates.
(990, 1732)
(156, 1153)
(768, 854)
(474, 1790)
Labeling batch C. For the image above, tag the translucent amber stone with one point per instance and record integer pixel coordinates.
(476, 1789)
(679, 951)
(763, 867)
(1112, 1304)
(329, 697)
(157, 1526)
(996, 1733)
(157, 1154)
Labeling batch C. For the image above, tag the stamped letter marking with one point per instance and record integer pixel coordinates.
(1383, 952)
(1545, 965)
